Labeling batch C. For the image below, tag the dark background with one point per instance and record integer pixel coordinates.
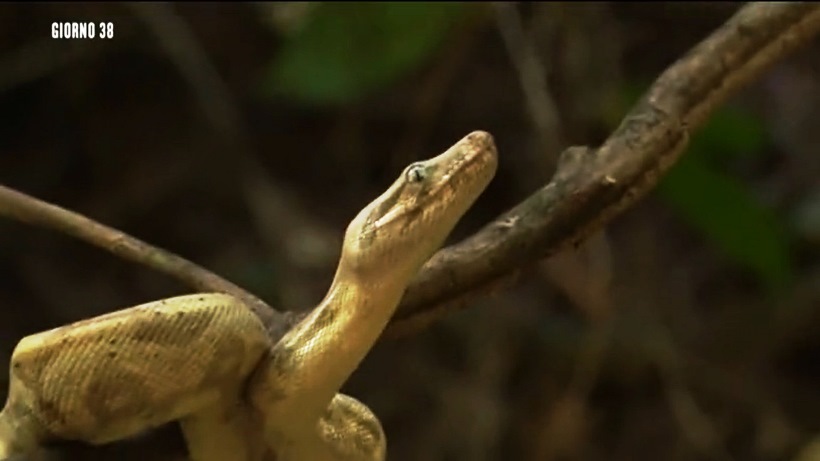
(246, 136)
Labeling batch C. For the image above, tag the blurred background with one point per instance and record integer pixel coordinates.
(246, 136)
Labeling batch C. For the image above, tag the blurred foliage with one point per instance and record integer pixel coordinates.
(722, 207)
(345, 51)
(731, 134)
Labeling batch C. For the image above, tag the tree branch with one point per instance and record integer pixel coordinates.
(592, 186)
(22, 207)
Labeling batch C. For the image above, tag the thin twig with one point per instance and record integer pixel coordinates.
(532, 75)
(264, 197)
(19, 206)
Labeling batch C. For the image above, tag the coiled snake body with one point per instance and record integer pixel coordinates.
(206, 360)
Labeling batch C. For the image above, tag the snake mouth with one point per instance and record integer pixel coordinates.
(458, 176)
(472, 161)
(429, 197)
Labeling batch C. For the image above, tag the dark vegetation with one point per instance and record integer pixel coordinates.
(689, 329)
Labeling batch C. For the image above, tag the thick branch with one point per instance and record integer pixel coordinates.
(593, 186)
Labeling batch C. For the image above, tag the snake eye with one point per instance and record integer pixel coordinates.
(416, 173)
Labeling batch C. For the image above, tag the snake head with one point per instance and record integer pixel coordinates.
(402, 228)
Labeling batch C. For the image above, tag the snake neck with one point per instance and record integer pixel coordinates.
(352, 316)
(316, 357)
(20, 432)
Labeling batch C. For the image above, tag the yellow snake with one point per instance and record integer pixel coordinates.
(206, 361)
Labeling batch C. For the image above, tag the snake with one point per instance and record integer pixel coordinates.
(205, 360)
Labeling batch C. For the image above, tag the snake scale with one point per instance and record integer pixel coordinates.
(206, 361)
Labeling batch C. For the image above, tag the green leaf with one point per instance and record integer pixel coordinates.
(722, 208)
(348, 50)
(730, 134)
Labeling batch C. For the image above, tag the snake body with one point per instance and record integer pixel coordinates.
(129, 370)
(206, 361)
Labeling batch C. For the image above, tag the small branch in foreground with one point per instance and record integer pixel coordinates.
(22, 207)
